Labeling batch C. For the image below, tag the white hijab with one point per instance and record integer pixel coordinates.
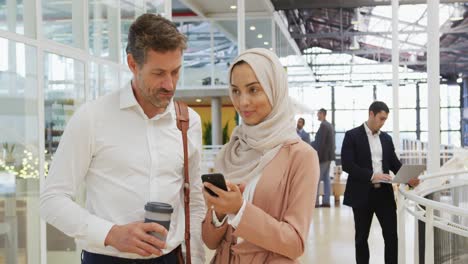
(251, 148)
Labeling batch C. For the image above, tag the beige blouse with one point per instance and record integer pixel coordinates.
(276, 224)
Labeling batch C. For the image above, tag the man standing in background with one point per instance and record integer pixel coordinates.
(301, 132)
(324, 144)
(368, 155)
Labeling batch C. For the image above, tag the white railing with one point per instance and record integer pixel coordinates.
(420, 156)
(208, 157)
(423, 209)
(415, 152)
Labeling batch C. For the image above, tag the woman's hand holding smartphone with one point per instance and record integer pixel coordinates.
(224, 200)
(217, 179)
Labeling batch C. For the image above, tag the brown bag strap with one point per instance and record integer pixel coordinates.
(182, 115)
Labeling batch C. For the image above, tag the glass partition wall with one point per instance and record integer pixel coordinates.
(54, 56)
(348, 107)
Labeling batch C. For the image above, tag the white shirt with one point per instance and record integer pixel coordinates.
(125, 159)
(376, 150)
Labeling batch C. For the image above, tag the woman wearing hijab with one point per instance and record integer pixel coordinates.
(268, 221)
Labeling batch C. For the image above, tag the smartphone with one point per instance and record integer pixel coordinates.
(217, 179)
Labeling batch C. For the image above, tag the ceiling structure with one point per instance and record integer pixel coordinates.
(220, 14)
(358, 29)
(325, 32)
(310, 4)
(196, 18)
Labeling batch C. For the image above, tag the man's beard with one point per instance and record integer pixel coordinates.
(152, 98)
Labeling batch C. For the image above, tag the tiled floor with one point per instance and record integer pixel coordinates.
(331, 238)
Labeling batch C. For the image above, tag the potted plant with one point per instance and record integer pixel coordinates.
(207, 133)
(8, 151)
(226, 133)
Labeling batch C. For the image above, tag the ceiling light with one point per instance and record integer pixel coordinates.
(266, 43)
(233, 7)
(252, 28)
(198, 100)
(354, 44)
(259, 36)
(457, 14)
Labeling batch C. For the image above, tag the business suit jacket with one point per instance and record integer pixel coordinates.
(356, 160)
(324, 142)
(276, 224)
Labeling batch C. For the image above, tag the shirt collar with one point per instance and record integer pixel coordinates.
(368, 131)
(170, 110)
(127, 100)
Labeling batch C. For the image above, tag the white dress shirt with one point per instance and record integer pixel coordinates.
(125, 159)
(376, 150)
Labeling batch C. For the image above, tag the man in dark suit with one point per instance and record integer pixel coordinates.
(368, 155)
(324, 144)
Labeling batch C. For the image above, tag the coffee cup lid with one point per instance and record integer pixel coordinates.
(157, 207)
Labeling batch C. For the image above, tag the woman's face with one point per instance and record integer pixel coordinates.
(248, 96)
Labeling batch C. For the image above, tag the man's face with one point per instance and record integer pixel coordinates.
(377, 121)
(157, 78)
(300, 124)
(320, 116)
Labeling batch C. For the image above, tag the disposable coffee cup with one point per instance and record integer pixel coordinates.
(160, 213)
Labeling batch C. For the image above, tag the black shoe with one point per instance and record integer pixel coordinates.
(325, 205)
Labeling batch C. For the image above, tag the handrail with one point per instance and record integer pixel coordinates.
(442, 223)
(448, 185)
(413, 201)
(442, 174)
(434, 204)
(453, 150)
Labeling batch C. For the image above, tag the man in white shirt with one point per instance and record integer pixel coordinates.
(367, 155)
(127, 150)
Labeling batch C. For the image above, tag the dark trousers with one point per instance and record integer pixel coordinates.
(381, 203)
(93, 258)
